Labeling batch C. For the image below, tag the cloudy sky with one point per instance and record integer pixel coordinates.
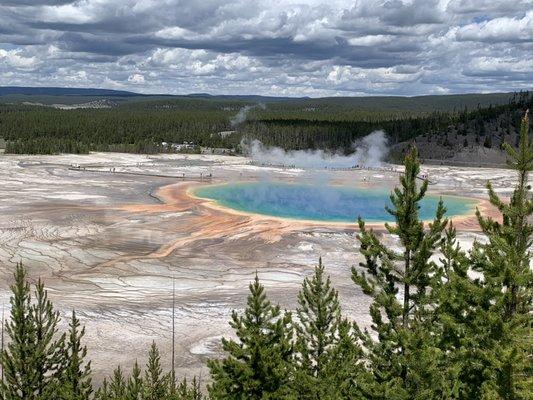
(272, 47)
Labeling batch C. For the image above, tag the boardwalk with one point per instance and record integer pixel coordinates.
(201, 178)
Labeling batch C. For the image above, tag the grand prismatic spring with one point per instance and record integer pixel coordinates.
(320, 202)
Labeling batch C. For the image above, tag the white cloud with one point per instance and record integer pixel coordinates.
(175, 32)
(502, 29)
(345, 74)
(501, 65)
(136, 79)
(15, 59)
(370, 40)
(72, 13)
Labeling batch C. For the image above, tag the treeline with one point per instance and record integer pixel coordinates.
(336, 132)
(141, 126)
(43, 130)
(46, 146)
(298, 134)
(446, 323)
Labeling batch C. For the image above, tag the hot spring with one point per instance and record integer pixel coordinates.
(320, 203)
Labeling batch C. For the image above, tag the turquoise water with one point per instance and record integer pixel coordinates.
(319, 202)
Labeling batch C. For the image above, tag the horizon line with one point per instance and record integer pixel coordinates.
(132, 93)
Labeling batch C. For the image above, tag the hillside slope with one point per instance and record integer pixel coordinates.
(474, 138)
(277, 105)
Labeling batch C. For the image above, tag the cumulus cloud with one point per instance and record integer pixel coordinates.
(16, 59)
(288, 47)
(503, 29)
(136, 79)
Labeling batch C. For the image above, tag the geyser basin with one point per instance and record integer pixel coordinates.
(321, 202)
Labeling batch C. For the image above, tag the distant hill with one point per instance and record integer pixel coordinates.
(61, 91)
(241, 97)
(416, 104)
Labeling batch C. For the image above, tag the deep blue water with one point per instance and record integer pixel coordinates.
(319, 202)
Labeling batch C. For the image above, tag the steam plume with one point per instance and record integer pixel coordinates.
(369, 152)
(243, 114)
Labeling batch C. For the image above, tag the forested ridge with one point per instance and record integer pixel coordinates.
(340, 130)
(141, 125)
(43, 130)
(446, 323)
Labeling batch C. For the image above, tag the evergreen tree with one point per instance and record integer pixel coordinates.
(156, 384)
(103, 392)
(17, 358)
(320, 341)
(258, 365)
(186, 391)
(76, 374)
(135, 388)
(32, 360)
(457, 318)
(488, 327)
(508, 279)
(345, 373)
(487, 142)
(319, 317)
(117, 385)
(403, 360)
(48, 349)
(453, 259)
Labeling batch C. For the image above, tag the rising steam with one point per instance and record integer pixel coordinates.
(369, 152)
(243, 114)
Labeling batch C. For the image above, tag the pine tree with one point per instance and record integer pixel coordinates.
(453, 258)
(116, 389)
(490, 329)
(76, 374)
(186, 391)
(457, 319)
(156, 384)
(508, 279)
(103, 392)
(403, 358)
(320, 340)
(345, 373)
(48, 349)
(319, 317)
(258, 365)
(32, 360)
(135, 388)
(17, 361)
